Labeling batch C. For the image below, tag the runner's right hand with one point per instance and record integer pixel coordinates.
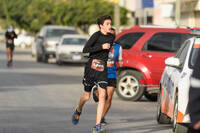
(106, 46)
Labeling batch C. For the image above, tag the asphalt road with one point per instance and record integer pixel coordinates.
(39, 98)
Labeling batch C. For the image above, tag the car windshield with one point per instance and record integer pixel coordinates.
(193, 56)
(79, 41)
(59, 32)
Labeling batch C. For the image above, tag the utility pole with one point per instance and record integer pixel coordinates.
(116, 15)
(178, 12)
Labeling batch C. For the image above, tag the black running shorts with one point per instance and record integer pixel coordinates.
(11, 46)
(95, 74)
(112, 82)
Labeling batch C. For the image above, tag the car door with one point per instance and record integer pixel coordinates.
(159, 47)
(177, 74)
(170, 80)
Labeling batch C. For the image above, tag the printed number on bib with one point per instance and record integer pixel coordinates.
(110, 62)
(97, 65)
(10, 41)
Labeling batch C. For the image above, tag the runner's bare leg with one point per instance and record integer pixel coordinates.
(8, 54)
(83, 100)
(110, 91)
(101, 104)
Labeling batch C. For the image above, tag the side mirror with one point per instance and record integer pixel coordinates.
(172, 61)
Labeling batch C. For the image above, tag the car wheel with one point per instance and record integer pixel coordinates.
(45, 58)
(38, 58)
(161, 118)
(181, 128)
(128, 85)
(151, 97)
(58, 62)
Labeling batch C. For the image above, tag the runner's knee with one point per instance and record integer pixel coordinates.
(102, 96)
(86, 97)
(109, 98)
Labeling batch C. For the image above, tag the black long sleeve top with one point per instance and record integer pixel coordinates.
(8, 36)
(94, 46)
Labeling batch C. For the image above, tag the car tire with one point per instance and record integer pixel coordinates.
(151, 97)
(38, 58)
(58, 62)
(181, 128)
(161, 118)
(125, 89)
(45, 58)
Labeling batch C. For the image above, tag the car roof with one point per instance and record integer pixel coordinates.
(59, 27)
(153, 28)
(73, 36)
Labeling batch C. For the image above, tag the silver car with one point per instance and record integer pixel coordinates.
(69, 49)
(47, 38)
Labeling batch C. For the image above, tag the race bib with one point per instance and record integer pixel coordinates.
(97, 65)
(10, 41)
(111, 60)
(110, 63)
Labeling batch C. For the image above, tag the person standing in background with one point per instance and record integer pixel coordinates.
(10, 35)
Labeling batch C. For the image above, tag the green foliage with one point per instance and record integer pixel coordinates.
(33, 14)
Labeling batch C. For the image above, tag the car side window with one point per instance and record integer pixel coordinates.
(183, 53)
(165, 42)
(128, 40)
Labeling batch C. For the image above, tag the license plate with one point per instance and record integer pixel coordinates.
(76, 57)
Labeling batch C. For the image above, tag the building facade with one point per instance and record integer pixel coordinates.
(164, 12)
(141, 11)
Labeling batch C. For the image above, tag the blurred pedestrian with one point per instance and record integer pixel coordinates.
(9, 36)
(194, 97)
(95, 70)
(115, 55)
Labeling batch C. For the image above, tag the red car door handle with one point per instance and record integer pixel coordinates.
(147, 55)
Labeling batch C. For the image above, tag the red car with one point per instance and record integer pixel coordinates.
(145, 49)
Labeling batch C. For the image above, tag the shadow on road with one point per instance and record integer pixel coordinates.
(150, 128)
(36, 79)
(11, 89)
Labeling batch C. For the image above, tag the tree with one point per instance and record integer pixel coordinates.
(33, 14)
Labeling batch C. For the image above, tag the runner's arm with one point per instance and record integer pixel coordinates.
(89, 47)
(15, 35)
(120, 62)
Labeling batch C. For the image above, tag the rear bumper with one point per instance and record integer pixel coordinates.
(73, 58)
(50, 53)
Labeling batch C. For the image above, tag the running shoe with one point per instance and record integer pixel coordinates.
(75, 117)
(103, 121)
(98, 128)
